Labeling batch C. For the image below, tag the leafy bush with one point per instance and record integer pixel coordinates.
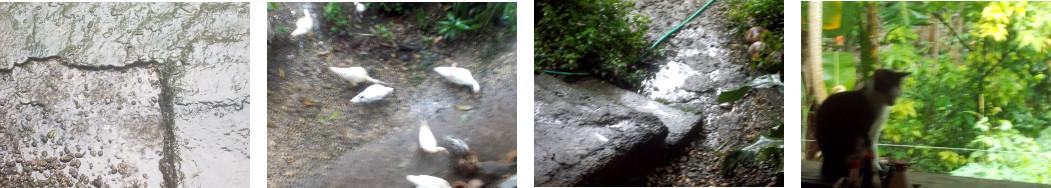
(601, 37)
(453, 26)
(484, 14)
(394, 8)
(334, 13)
(768, 14)
(464, 17)
(384, 31)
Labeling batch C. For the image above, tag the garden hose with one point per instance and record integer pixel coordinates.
(680, 25)
(565, 73)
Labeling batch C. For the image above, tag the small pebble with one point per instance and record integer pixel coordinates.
(66, 158)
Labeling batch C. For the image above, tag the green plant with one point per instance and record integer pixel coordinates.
(768, 14)
(484, 14)
(601, 37)
(510, 15)
(394, 8)
(454, 26)
(271, 5)
(765, 81)
(383, 31)
(767, 147)
(1029, 165)
(334, 13)
(661, 100)
(283, 29)
(423, 21)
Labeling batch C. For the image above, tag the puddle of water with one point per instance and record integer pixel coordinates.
(667, 82)
(211, 120)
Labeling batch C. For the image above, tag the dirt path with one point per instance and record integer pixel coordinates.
(309, 145)
(703, 59)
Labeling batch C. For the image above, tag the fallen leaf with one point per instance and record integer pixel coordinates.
(464, 107)
(436, 39)
(308, 103)
(271, 125)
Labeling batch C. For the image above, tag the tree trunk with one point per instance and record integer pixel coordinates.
(869, 41)
(812, 71)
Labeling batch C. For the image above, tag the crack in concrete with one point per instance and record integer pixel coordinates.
(168, 163)
(234, 103)
(66, 63)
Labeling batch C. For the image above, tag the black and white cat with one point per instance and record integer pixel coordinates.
(849, 123)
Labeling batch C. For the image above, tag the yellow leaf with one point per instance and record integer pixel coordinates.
(834, 15)
(916, 133)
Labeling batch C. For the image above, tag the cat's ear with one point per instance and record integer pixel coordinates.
(901, 74)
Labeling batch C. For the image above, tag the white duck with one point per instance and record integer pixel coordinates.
(427, 141)
(360, 7)
(425, 181)
(374, 92)
(304, 25)
(459, 76)
(354, 75)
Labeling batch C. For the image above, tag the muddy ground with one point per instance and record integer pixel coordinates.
(375, 144)
(703, 59)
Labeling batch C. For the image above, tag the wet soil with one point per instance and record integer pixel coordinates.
(704, 59)
(318, 138)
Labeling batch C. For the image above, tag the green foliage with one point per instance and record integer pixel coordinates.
(334, 13)
(734, 95)
(1029, 164)
(334, 115)
(394, 8)
(838, 69)
(283, 29)
(601, 37)
(383, 31)
(468, 16)
(271, 5)
(423, 20)
(904, 14)
(767, 14)
(453, 26)
(768, 146)
(661, 100)
(765, 81)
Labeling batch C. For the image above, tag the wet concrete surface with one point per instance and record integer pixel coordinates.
(135, 94)
(318, 138)
(704, 59)
(588, 135)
